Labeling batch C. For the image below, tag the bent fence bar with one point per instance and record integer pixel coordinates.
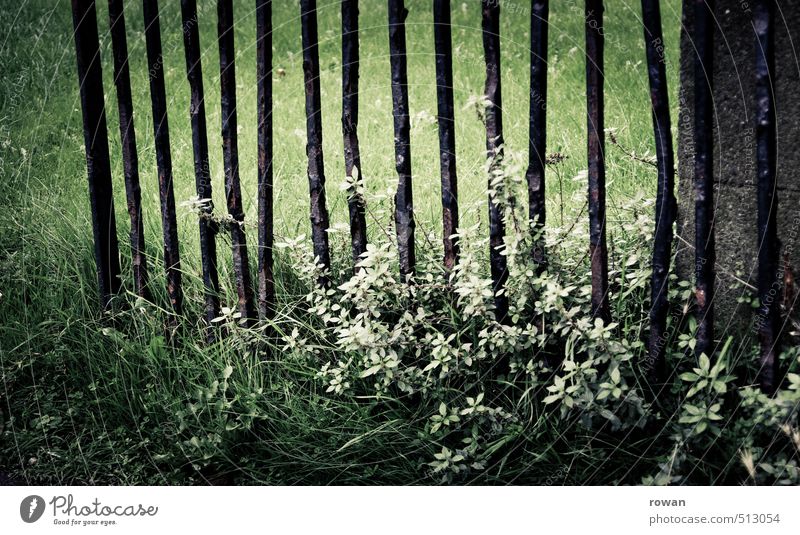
(598, 250)
(494, 153)
(403, 200)
(127, 133)
(95, 135)
(316, 169)
(158, 97)
(769, 320)
(537, 155)
(666, 205)
(233, 190)
(266, 285)
(447, 137)
(100, 183)
(352, 152)
(202, 171)
(704, 174)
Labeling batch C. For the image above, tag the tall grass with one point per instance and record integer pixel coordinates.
(93, 398)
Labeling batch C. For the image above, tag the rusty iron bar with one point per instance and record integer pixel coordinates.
(130, 159)
(598, 249)
(704, 174)
(352, 152)
(202, 171)
(230, 156)
(158, 97)
(490, 22)
(666, 206)
(443, 43)
(266, 282)
(537, 157)
(316, 168)
(769, 279)
(95, 135)
(403, 200)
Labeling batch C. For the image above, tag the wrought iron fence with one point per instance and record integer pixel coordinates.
(253, 305)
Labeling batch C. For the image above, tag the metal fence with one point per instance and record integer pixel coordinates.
(260, 303)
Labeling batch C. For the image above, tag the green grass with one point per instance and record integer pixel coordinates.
(48, 125)
(85, 407)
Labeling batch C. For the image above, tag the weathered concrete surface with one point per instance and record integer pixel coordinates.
(734, 154)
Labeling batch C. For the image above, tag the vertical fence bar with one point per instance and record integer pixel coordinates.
(95, 135)
(158, 96)
(494, 152)
(666, 207)
(130, 160)
(316, 169)
(538, 123)
(704, 174)
(202, 171)
(352, 152)
(403, 200)
(447, 136)
(230, 153)
(266, 283)
(596, 152)
(769, 318)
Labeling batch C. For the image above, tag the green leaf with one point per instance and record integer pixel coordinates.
(431, 366)
(371, 371)
(691, 409)
(551, 399)
(726, 347)
(615, 375)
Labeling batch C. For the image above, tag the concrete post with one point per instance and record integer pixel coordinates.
(734, 159)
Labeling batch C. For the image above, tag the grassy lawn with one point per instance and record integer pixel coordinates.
(93, 399)
(47, 186)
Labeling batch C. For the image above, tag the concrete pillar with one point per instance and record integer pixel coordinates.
(734, 156)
